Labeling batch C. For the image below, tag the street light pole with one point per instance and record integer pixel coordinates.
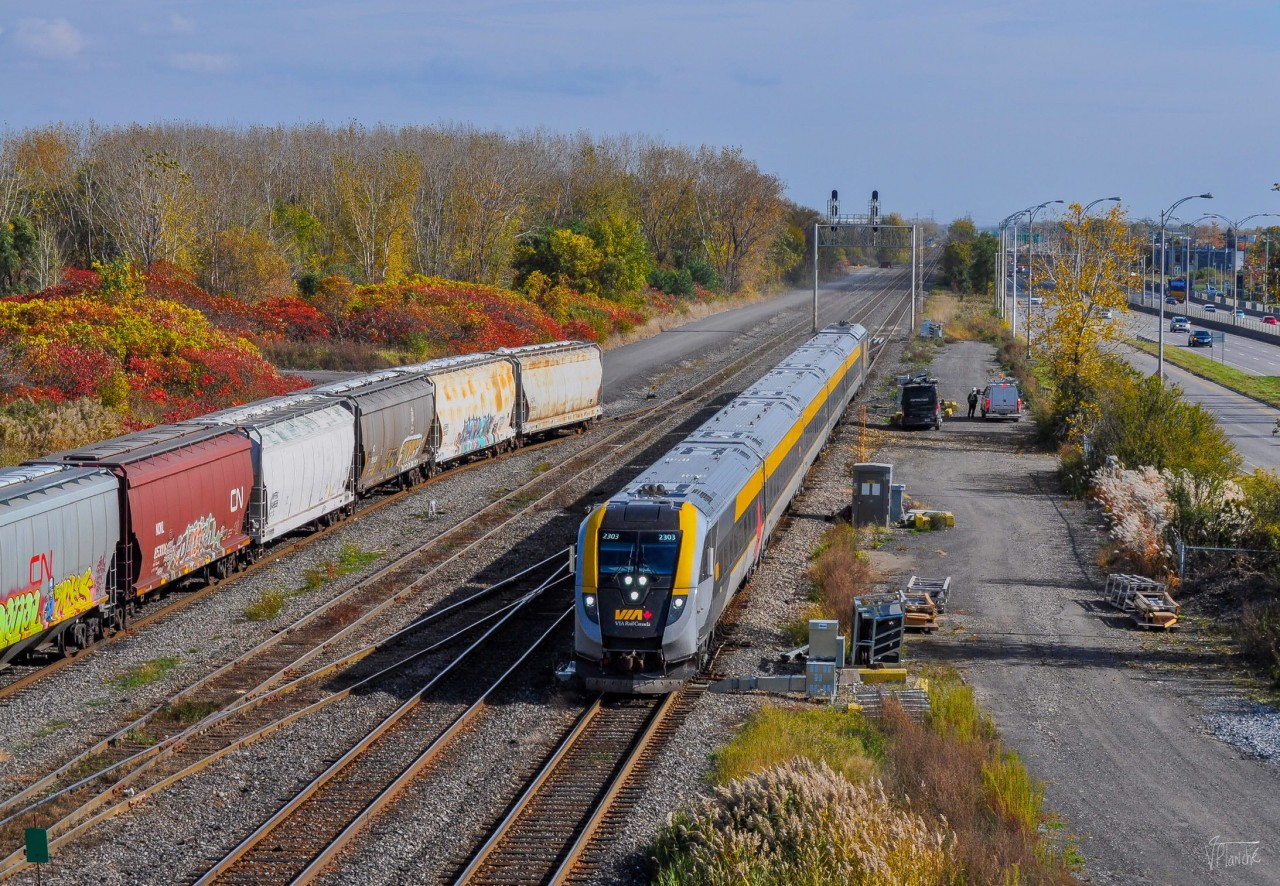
(1031, 245)
(1080, 224)
(1236, 225)
(1164, 218)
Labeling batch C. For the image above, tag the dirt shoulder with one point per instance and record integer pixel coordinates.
(1109, 717)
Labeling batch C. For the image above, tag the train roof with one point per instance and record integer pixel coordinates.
(547, 348)
(345, 385)
(445, 364)
(381, 390)
(759, 423)
(271, 411)
(129, 448)
(705, 474)
(29, 490)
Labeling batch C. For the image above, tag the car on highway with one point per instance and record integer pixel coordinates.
(1209, 308)
(1036, 300)
(1201, 338)
(1179, 324)
(1172, 300)
(1211, 290)
(1239, 314)
(1270, 320)
(1107, 314)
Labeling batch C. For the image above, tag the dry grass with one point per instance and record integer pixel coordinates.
(28, 430)
(839, 573)
(1258, 634)
(688, 313)
(955, 768)
(801, 824)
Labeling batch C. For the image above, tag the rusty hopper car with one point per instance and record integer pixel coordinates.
(475, 402)
(183, 492)
(303, 449)
(59, 530)
(394, 414)
(560, 384)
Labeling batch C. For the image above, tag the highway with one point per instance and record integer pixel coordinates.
(1246, 422)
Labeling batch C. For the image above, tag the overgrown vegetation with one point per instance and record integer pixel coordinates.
(266, 606)
(802, 792)
(839, 572)
(146, 673)
(351, 558)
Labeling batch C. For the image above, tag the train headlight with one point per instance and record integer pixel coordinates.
(633, 596)
(643, 580)
(589, 605)
(626, 579)
(677, 608)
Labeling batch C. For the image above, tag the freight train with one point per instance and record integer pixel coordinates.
(86, 535)
(658, 563)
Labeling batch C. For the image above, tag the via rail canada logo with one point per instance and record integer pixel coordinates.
(632, 616)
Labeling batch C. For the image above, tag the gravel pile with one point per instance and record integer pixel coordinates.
(1252, 727)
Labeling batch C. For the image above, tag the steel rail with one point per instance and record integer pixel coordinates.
(315, 788)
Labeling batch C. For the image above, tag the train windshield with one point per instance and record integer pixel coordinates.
(638, 553)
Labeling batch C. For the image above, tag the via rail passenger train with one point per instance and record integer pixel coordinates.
(659, 562)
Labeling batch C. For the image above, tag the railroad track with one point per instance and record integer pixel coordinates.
(691, 400)
(15, 678)
(129, 775)
(303, 836)
(542, 837)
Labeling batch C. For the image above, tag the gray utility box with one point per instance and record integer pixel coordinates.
(871, 489)
(826, 658)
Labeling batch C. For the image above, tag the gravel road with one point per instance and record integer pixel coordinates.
(1111, 718)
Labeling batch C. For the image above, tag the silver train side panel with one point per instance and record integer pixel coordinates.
(59, 528)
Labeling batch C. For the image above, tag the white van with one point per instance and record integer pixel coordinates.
(1000, 399)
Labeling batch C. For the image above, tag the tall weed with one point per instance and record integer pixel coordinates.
(801, 824)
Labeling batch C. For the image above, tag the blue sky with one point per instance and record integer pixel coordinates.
(947, 108)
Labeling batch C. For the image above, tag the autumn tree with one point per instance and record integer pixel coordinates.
(148, 205)
(247, 265)
(1087, 275)
(740, 212)
(374, 188)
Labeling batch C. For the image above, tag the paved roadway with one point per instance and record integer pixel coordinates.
(1245, 354)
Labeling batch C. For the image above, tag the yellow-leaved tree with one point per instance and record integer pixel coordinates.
(1088, 276)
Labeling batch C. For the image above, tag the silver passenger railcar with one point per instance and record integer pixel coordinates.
(659, 562)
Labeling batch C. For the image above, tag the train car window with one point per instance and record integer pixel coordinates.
(658, 552)
(616, 552)
(708, 560)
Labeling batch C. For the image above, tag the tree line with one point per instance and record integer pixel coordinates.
(260, 212)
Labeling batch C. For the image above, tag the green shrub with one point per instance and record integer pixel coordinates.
(773, 735)
(269, 604)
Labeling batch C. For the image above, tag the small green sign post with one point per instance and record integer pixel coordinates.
(38, 848)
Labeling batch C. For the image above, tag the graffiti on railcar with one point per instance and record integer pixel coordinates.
(21, 612)
(477, 432)
(200, 543)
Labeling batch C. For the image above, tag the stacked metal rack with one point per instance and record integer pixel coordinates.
(1146, 600)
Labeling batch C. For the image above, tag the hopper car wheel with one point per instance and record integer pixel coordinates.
(65, 649)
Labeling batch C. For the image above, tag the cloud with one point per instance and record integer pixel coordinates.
(201, 62)
(53, 39)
